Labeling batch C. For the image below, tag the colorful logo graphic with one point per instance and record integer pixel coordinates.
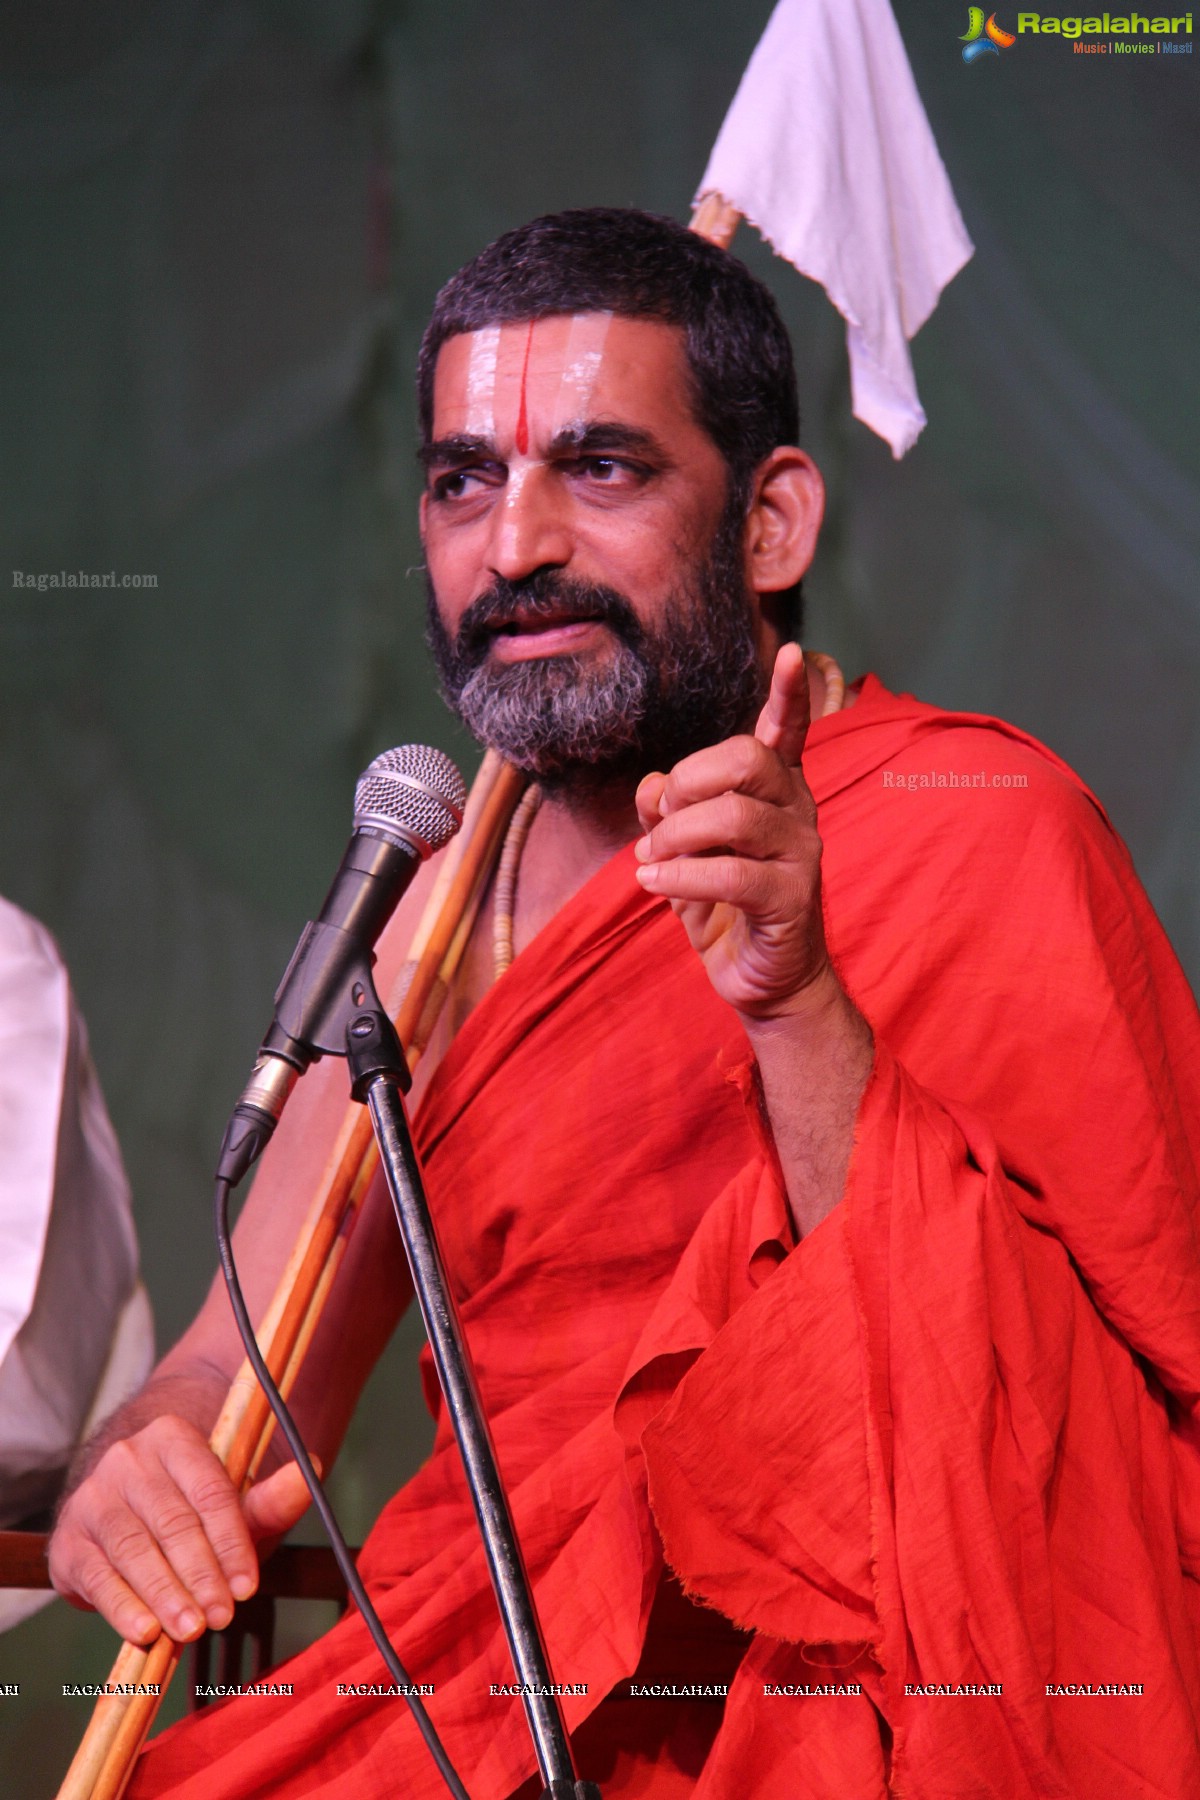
(983, 40)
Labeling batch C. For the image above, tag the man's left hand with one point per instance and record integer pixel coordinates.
(731, 840)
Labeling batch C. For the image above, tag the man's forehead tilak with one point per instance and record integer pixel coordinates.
(481, 380)
(557, 359)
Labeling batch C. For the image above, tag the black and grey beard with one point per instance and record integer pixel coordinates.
(661, 692)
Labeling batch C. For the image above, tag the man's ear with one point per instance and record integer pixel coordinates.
(783, 520)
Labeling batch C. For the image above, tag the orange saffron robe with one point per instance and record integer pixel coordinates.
(940, 1462)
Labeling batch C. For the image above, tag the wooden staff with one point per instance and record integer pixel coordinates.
(713, 218)
(105, 1759)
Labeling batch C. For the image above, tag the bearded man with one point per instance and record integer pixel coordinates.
(823, 1213)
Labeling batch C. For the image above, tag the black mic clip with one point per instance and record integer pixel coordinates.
(373, 1049)
(326, 986)
(326, 1005)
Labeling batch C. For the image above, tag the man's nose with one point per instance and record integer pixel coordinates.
(530, 527)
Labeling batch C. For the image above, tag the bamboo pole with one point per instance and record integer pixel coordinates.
(135, 1721)
(713, 218)
(104, 1761)
(97, 1744)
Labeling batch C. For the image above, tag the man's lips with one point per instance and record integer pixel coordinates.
(530, 635)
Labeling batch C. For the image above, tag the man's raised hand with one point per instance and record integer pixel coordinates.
(731, 840)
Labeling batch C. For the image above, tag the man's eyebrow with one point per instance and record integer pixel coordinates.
(584, 437)
(595, 436)
(445, 451)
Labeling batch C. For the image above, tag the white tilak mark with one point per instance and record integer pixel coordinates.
(581, 368)
(481, 382)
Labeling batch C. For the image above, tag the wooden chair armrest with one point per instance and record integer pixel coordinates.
(23, 1559)
(293, 1572)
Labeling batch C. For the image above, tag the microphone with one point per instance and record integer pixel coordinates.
(408, 803)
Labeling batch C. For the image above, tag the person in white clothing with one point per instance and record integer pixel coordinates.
(76, 1332)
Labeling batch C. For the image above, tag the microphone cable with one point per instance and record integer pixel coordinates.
(345, 1561)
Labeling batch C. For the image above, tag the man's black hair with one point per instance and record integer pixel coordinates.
(642, 266)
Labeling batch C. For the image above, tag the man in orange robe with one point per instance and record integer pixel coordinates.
(823, 1212)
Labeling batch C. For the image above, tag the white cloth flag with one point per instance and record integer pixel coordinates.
(827, 151)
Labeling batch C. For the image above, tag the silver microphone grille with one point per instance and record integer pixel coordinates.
(413, 793)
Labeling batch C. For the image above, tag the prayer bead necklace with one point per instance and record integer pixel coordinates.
(506, 876)
(531, 799)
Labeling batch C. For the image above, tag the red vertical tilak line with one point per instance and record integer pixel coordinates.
(522, 411)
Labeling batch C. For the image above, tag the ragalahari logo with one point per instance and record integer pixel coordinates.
(982, 39)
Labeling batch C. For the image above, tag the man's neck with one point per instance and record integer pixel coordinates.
(569, 840)
(572, 836)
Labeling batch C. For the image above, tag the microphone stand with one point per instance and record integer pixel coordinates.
(379, 1077)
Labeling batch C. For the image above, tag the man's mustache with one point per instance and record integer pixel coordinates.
(543, 596)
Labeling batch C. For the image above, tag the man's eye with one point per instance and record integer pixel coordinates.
(609, 471)
(456, 484)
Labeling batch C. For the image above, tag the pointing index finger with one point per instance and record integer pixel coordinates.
(783, 722)
(648, 800)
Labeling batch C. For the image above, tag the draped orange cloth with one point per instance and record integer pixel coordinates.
(948, 1443)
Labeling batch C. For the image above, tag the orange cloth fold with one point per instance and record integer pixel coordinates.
(949, 1440)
